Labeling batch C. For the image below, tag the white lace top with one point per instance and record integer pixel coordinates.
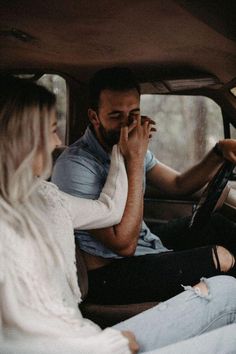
(38, 303)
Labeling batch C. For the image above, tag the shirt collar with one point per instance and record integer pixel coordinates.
(94, 146)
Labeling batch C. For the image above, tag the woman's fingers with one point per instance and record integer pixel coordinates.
(139, 120)
(147, 119)
(132, 126)
(124, 133)
(140, 128)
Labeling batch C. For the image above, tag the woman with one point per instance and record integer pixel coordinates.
(39, 294)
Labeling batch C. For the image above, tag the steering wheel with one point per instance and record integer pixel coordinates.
(210, 196)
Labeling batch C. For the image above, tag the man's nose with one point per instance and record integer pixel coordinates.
(126, 119)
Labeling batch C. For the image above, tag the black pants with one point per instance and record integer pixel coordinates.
(157, 277)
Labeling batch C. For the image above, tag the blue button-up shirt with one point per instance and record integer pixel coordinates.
(81, 170)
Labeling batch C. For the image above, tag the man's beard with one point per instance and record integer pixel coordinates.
(110, 137)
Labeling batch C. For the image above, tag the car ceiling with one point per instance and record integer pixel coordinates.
(158, 39)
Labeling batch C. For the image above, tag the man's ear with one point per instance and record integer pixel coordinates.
(93, 117)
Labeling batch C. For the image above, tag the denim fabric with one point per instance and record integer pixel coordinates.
(219, 341)
(187, 315)
(81, 170)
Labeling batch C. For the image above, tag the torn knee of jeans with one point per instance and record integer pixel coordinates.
(201, 289)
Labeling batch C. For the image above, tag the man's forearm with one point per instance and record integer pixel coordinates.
(127, 231)
(197, 176)
(122, 238)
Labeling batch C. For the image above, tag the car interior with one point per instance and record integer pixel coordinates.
(184, 56)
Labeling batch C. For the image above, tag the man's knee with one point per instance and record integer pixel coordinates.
(223, 259)
(221, 287)
(221, 282)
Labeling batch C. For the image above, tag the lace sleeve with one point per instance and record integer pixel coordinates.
(108, 209)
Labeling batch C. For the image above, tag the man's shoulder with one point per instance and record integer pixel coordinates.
(150, 160)
(78, 160)
(78, 151)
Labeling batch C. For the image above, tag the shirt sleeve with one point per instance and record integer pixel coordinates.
(150, 161)
(108, 209)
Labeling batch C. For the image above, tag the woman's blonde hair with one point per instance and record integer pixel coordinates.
(25, 110)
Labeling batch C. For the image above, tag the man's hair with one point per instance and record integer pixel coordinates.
(114, 79)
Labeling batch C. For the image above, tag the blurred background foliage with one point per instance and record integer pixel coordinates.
(57, 85)
(187, 127)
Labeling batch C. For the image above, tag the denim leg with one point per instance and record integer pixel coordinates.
(186, 315)
(219, 341)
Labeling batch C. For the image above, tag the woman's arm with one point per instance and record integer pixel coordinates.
(106, 342)
(108, 209)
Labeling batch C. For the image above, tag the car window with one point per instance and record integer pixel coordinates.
(232, 132)
(233, 91)
(57, 85)
(187, 127)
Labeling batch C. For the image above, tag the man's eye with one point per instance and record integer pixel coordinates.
(134, 115)
(115, 116)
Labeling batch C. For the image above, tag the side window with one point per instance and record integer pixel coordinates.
(57, 85)
(232, 132)
(187, 127)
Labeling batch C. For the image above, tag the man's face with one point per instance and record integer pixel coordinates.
(116, 108)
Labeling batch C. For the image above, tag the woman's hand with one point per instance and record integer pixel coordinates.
(133, 345)
(134, 138)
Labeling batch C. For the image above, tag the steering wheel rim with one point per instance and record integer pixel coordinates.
(211, 195)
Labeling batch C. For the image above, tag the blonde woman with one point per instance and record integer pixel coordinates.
(39, 294)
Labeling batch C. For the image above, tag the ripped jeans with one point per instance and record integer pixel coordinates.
(187, 315)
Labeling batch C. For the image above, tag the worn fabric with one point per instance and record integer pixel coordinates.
(189, 315)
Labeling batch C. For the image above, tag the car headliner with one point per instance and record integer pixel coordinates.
(155, 38)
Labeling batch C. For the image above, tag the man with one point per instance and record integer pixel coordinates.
(127, 263)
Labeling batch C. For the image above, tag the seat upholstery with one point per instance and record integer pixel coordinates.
(104, 315)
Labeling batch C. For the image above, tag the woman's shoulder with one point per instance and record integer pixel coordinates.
(48, 190)
(7, 234)
(51, 194)
(47, 186)
(7, 237)
(5, 227)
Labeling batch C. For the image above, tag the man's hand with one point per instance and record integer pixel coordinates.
(134, 138)
(133, 345)
(150, 121)
(228, 149)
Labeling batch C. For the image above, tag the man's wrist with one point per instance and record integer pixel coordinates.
(135, 159)
(134, 165)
